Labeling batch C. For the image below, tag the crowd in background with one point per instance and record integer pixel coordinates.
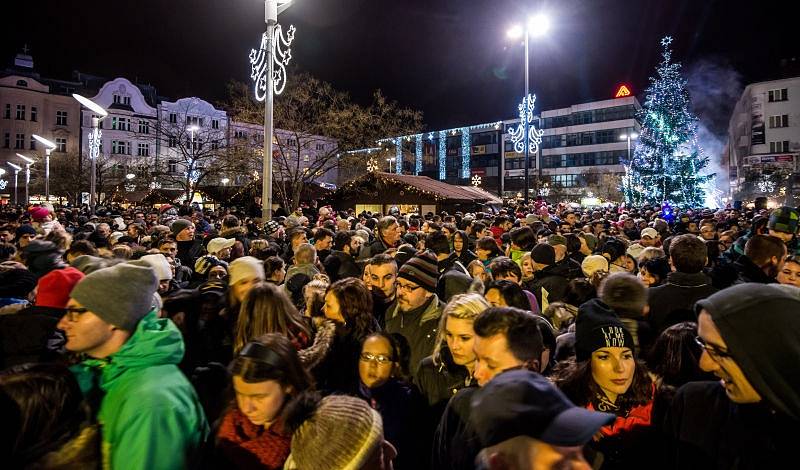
(542, 336)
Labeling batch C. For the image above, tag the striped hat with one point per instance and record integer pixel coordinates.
(422, 269)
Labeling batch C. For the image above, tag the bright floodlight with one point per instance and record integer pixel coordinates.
(515, 32)
(2, 172)
(29, 161)
(16, 167)
(538, 25)
(192, 128)
(623, 137)
(130, 176)
(91, 105)
(634, 135)
(45, 142)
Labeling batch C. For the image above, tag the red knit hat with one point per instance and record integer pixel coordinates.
(39, 213)
(54, 287)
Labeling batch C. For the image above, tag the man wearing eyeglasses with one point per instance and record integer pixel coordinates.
(750, 339)
(415, 314)
(149, 413)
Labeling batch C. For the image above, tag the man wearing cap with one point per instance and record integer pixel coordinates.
(219, 251)
(149, 413)
(415, 314)
(23, 235)
(189, 247)
(750, 334)
(783, 223)
(523, 422)
(565, 265)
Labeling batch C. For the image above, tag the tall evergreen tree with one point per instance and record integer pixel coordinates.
(668, 164)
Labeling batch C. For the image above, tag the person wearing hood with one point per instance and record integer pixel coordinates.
(15, 287)
(42, 256)
(150, 415)
(750, 334)
(232, 228)
(415, 314)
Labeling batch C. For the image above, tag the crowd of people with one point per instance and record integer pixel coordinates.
(545, 336)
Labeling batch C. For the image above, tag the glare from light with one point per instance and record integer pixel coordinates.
(91, 105)
(225, 180)
(45, 142)
(623, 137)
(16, 167)
(29, 161)
(130, 176)
(634, 135)
(193, 128)
(515, 32)
(538, 25)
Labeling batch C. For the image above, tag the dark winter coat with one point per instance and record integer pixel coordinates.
(673, 301)
(455, 443)
(706, 430)
(439, 383)
(747, 271)
(338, 371)
(553, 279)
(30, 335)
(189, 251)
(375, 248)
(340, 265)
(402, 409)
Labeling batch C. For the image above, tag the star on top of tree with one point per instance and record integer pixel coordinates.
(666, 41)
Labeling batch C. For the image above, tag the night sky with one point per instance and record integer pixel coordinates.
(447, 58)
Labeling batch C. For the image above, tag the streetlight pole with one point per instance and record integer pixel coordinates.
(527, 91)
(94, 144)
(16, 180)
(28, 163)
(49, 147)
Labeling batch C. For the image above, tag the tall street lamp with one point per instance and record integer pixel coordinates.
(28, 163)
(390, 160)
(629, 137)
(49, 146)
(535, 26)
(94, 143)
(274, 52)
(16, 179)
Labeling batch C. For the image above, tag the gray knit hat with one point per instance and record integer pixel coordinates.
(178, 226)
(120, 295)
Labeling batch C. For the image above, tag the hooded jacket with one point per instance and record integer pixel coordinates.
(149, 413)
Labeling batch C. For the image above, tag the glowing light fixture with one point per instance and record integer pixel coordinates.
(91, 105)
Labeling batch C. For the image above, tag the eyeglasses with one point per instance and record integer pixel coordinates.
(716, 354)
(74, 314)
(408, 287)
(378, 358)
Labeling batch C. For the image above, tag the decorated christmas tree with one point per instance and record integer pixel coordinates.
(668, 165)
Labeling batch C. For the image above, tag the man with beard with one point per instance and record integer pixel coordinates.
(341, 262)
(762, 261)
(383, 284)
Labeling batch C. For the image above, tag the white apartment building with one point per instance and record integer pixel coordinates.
(763, 145)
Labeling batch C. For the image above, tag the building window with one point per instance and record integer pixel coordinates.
(144, 126)
(172, 167)
(779, 121)
(215, 123)
(116, 99)
(143, 150)
(778, 147)
(126, 100)
(21, 112)
(33, 143)
(320, 146)
(172, 142)
(291, 142)
(120, 124)
(61, 118)
(34, 112)
(7, 114)
(214, 145)
(7, 140)
(305, 158)
(240, 134)
(61, 144)
(173, 118)
(194, 121)
(780, 94)
(565, 181)
(120, 147)
(19, 143)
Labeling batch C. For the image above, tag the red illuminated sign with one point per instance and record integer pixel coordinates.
(622, 92)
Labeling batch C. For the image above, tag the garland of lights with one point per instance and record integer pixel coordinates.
(418, 154)
(281, 54)
(442, 154)
(534, 137)
(398, 159)
(466, 149)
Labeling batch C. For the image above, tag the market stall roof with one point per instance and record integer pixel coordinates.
(392, 188)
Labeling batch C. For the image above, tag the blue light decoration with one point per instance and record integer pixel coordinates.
(442, 154)
(418, 155)
(398, 160)
(534, 137)
(466, 149)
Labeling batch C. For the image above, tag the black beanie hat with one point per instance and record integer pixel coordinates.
(598, 326)
(543, 253)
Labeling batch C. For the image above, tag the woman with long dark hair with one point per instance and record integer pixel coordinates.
(606, 376)
(462, 249)
(348, 303)
(266, 374)
(267, 309)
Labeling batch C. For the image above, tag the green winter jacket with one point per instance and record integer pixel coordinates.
(149, 413)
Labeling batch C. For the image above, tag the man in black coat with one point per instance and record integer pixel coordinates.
(763, 259)
(550, 280)
(673, 301)
(750, 418)
(341, 263)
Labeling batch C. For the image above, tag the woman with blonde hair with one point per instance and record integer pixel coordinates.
(267, 309)
(452, 363)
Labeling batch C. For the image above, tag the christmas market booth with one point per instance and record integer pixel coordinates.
(379, 192)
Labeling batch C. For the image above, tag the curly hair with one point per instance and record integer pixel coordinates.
(355, 302)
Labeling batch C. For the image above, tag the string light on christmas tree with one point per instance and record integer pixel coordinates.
(466, 150)
(442, 154)
(398, 162)
(534, 137)
(418, 155)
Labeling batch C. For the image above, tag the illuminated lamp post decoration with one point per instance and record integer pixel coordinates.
(442, 155)
(268, 70)
(526, 137)
(372, 165)
(476, 180)
(398, 159)
(3, 183)
(466, 148)
(418, 155)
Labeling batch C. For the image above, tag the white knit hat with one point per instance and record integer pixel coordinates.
(159, 264)
(246, 267)
(593, 263)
